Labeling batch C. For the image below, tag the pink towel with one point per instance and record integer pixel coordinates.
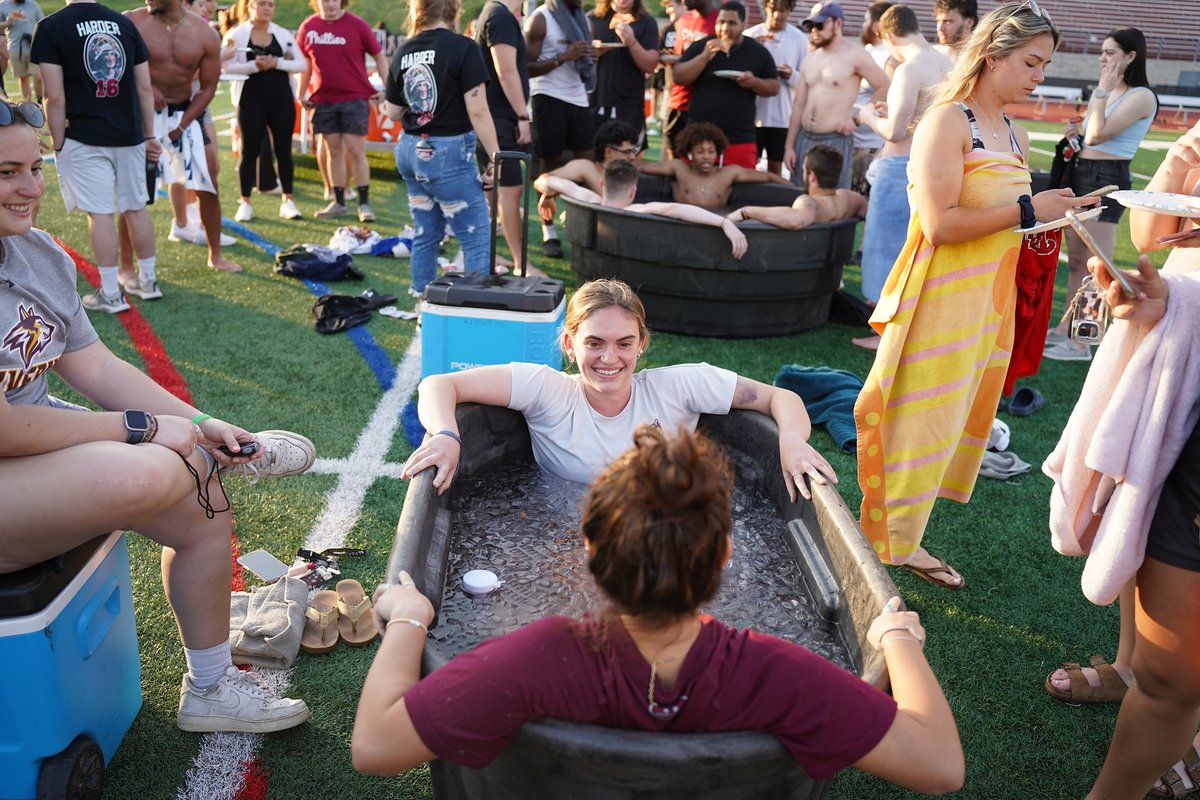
(1136, 410)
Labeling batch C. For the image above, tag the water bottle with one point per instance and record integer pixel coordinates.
(1074, 145)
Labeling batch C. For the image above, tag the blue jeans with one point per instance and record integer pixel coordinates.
(443, 186)
(887, 222)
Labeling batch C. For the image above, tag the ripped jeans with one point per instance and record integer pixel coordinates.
(443, 186)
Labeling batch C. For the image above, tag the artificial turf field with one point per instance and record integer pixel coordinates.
(245, 346)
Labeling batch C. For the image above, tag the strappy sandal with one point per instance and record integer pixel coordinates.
(1176, 778)
(320, 623)
(356, 623)
(927, 574)
(1112, 687)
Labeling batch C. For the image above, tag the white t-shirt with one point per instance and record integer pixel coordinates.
(574, 441)
(562, 82)
(788, 46)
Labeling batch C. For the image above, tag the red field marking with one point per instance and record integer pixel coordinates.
(158, 364)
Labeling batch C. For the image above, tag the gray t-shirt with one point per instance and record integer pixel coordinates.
(20, 27)
(41, 316)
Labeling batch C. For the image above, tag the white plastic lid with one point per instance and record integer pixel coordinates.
(480, 581)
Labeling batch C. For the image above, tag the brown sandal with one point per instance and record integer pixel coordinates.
(1176, 777)
(357, 622)
(320, 618)
(927, 573)
(1112, 686)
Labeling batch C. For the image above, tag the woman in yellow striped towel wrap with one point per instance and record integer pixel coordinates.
(947, 309)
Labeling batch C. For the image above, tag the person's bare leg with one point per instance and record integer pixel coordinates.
(1158, 718)
(1123, 663)
(112, 485)
(125, 249)
(356, 159)
(210, 219)
(335, 164)
(510, 221)
(322, 153)
(179, 203)
(102, 230)
(774, 167)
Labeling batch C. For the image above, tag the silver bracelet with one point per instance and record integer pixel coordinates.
(416, 623)
(907, 629)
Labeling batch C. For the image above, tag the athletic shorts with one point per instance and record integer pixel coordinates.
(560, 126)
(741, 155)
(771, 142)
(506, 137)
(1093, 173)
(352, 117)
(18, 59)
(83, 169)
(1174, 535)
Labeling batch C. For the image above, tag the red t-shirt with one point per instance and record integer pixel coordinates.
(470, 709)
(689, 28)
(337, 52)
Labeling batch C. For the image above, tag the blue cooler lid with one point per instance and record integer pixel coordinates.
(504, 292)
(30, 590)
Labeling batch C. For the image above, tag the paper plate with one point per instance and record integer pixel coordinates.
(1082, 216)
(669, 58)
(610, 45)
(728, 73)
(1173, 205)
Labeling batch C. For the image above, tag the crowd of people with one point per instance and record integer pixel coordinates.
(908, 134)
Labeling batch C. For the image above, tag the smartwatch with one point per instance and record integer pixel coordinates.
(1028, 217)
(137, 426)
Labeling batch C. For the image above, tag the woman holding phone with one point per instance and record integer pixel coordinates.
(948, 308)
(267, 54)
(1119, 114)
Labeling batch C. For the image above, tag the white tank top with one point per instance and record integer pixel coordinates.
(562, 83)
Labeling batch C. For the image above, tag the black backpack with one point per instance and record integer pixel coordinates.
(316, 262)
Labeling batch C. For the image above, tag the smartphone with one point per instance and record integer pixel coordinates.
(264, 565)
(247, 449)
(1102, 191)
(1116, 274)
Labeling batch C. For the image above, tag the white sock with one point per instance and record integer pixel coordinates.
(146, 269)
(207, 666)
(548, 232)
(109, 285)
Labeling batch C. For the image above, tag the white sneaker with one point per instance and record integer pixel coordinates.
(282, 453)
(238, 702)
(288, 210)
(245, 212)
(192, 234)
(226, 240)
(365, 214)
(98, 301)
(139, 287)
(1068, 351)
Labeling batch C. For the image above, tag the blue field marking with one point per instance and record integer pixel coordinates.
(371, 351)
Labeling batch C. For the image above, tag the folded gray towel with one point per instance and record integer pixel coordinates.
(1002, 466)
(265, 625)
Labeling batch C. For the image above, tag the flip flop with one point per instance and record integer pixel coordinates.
(1025, 401)
(927, 573)
(1112, 686)
(1177, 777)
(320, 628)
(356, 623)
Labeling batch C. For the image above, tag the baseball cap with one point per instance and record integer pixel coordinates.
(828, 9)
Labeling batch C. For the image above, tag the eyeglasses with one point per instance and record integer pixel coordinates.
(628, 152)
(29, 111)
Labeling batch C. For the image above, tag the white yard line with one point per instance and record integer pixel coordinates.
(218, 771)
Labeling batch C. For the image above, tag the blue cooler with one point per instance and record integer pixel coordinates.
(472, 320)
(70, 684)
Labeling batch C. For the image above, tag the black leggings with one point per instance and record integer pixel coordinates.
(264, 108)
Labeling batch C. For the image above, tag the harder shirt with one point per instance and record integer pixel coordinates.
(470, 709)
(337, 51)
(97, 49)
(41, 316)
(429, 75)
(574, 441)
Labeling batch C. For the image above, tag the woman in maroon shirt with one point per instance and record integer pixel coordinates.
(656, 526)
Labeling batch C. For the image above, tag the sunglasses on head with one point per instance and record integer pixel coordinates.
(1034, 7)
(28, 111)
